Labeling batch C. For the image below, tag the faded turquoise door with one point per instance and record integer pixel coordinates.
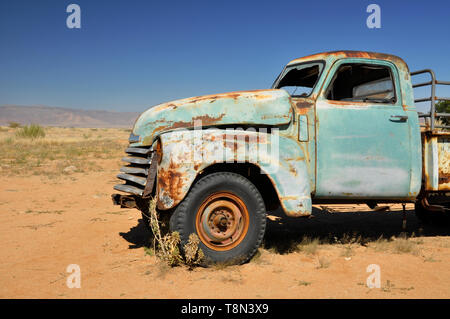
(363, 144)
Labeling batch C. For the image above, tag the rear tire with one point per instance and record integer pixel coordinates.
(227, 212)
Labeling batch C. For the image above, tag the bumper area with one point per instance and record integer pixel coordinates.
(125, 201)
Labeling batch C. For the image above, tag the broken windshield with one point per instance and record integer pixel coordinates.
(299, 80)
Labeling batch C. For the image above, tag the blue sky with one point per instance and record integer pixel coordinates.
(130, 55)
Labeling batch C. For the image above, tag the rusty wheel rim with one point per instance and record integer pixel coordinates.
(222, 221)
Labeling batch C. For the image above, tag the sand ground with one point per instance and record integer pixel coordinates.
(47, 224)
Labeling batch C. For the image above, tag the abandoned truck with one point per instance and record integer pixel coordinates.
(336, 127)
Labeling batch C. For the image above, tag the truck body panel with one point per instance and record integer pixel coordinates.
(327, 149)
(251, 108)
(360, 145)
(187, 153)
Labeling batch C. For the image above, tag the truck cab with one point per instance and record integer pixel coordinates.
(335, 127)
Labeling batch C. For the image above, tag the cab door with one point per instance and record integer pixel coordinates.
(362, 135)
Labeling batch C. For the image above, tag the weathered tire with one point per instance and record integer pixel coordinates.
(226, 211)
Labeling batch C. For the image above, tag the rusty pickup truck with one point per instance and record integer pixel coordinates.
(336, 127)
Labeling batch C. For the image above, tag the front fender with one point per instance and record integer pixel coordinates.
(186, 153)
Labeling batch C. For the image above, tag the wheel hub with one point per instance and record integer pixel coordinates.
(222, 221)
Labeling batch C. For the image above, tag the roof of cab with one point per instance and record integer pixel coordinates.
(336, 55)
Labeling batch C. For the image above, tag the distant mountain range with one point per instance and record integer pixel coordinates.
(63, 117)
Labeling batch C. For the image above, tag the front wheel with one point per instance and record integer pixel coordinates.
(227, 213)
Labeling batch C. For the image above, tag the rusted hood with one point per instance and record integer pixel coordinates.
(260, 107)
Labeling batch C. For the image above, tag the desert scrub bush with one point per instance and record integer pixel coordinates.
(193, 255)
(308, 245)
(167, 245)
(31, 131)
(13, 124)
(380, 245)
(405, 246)
(400, 245)
(347, 251)
(52, 157)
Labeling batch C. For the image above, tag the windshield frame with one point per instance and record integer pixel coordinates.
(283, 72)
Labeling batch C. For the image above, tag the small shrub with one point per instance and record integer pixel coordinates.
(304, 283)
(169, 249)
(149, 251)
(31, 131)
(400, 245)
(405, 246)
(168, 245)
(308, 245)
(323, 263)
(192, 254)
(347, 252)
(8, 141)
(13, 124)
(381, 244)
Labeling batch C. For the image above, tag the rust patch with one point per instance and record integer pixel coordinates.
(272, 116)
(231, 95)
(171, 180)
(355, 54)
(207, 120)
(444, 178)
(292, 170)
(304, 104)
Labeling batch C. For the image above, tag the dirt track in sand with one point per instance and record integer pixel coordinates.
(47, 224)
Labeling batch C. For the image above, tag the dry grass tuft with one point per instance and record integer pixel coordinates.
(347, 251)
(32, 131)
(192, 253)
(167, 245)
(13, 124)
(304, 283)
(61, 152)
(308, 245)
(402, 245)
(380, 245)
(405, 246)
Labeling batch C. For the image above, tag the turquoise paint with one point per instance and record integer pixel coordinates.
(187, 154)
(262, 107)
(361, 153)
(334, 136)
(303, 128)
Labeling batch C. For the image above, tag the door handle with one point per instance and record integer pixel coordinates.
(399, 118)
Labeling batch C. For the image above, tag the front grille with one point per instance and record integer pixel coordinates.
(136, 171)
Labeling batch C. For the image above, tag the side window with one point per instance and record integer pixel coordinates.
(362, 83)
